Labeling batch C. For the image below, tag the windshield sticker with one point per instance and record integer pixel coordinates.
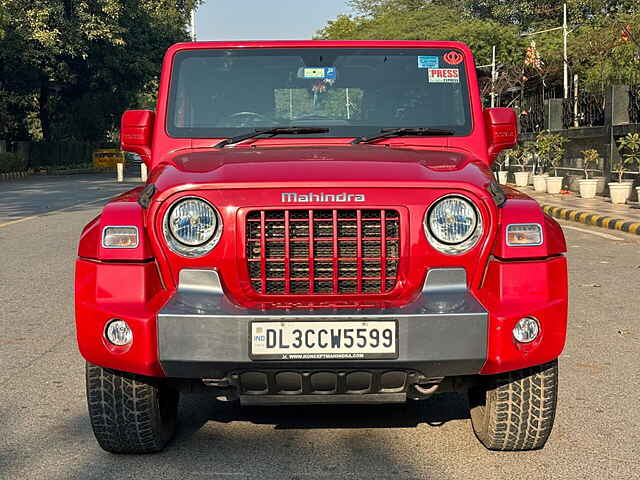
(317, 73)
(453, 58)
(444, 75)
(427, 62)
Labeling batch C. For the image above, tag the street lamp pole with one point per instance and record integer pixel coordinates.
(193, 24)
(493, 77)
(565, 34)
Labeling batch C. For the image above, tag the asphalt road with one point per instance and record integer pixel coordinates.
(45, 432)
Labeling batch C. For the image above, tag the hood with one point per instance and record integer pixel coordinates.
(353, 165)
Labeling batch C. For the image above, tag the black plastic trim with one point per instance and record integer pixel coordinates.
(146, 195)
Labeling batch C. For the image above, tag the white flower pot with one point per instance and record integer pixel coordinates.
(522, 179)
(502, 177)
(554, 184)
(638, 193)
(588, 188)
(540, 183)
(601, 185)
(620, 192)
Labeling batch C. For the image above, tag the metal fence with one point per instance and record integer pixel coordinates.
(583, 110)
(634, 103)
(532, 113)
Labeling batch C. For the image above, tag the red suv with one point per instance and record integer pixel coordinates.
(320, 225)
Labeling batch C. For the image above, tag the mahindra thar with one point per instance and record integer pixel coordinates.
(320, 225)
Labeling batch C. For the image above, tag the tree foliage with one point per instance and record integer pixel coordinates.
(69, 68)
(419, 20)
(598, 52)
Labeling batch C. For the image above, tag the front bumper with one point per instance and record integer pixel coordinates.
(201, 334)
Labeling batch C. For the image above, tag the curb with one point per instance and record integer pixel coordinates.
(75, 171)
(13, 176)
(589, 218)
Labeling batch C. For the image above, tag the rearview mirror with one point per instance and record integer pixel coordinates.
(136, 131)
(502, 130)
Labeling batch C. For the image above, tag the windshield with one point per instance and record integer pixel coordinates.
(351, 91)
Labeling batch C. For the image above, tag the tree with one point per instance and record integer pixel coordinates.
(405, 20)
(604, 44)
(531, 14)
(78, 64)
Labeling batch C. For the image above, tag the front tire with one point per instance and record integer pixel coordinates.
(128, 413)
(515, 411)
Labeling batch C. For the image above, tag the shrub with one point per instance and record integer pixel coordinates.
(590, 157)
(550, 147)
(12, 162)
(630, 148)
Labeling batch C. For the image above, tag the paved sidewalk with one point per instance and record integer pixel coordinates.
(597, 211)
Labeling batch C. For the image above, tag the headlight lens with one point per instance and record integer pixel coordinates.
(192, 227)
(453, 225)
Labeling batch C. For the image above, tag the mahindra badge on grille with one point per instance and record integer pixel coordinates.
(293, 197)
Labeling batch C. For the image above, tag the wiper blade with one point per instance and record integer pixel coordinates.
(271, 131)
(399, 132)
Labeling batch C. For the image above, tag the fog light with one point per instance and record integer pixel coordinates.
(526, 330)
(118, 332)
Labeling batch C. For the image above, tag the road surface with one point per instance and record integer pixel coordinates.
(45, 432)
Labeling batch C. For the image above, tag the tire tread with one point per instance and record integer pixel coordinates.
(125, 412)
(516, 410)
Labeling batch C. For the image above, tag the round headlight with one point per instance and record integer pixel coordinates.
(453, 225)
(192, 227)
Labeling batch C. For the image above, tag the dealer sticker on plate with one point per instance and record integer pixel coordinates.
(321, 340)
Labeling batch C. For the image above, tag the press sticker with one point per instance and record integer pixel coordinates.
(319, 73)
(444, 75)
(427, 62)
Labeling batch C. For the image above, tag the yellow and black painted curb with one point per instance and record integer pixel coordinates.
(589, 218)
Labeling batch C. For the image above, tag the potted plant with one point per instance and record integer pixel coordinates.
(629, 145)
(502, 174)
(522, 176)
(550, 147)
(588, 186)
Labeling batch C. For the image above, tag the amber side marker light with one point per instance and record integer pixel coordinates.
(524, 235)
(120, 237)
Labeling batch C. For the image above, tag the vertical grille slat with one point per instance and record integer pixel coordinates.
(335, 250)
(323, 251)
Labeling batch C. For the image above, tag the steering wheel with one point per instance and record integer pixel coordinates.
(246, 119)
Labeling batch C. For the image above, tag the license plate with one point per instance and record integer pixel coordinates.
(313, 340)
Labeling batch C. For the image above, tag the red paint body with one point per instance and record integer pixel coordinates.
(404, 173)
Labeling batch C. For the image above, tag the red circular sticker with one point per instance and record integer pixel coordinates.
(453, 58)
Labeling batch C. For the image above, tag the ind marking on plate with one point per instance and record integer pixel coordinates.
(324, 340)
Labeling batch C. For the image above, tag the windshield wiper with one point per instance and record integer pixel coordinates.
(399, 132)
(271, 131)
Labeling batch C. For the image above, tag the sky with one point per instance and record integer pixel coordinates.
(265, 19)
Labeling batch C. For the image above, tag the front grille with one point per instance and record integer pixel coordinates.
(323, 252)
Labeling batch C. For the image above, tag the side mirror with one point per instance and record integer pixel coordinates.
(502, 130)
(136, 131)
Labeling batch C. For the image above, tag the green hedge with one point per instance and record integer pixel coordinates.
(60, 154)
(12, 162)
